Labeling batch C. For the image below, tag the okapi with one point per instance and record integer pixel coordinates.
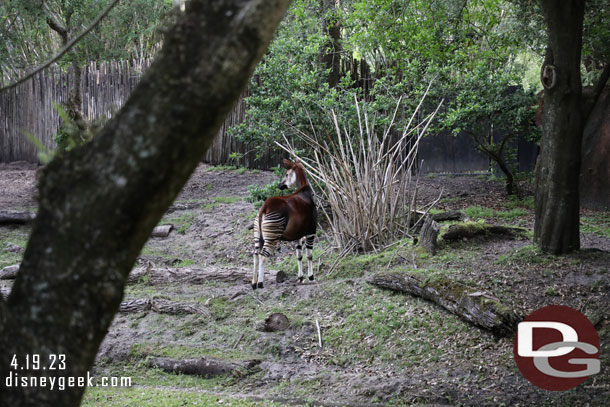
(292, 217)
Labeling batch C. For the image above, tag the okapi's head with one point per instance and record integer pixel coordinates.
(295, 175)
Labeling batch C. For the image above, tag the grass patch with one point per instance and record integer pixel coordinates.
(182, 222)
(480, 212)
(511, 215)
(174, 351)
(597, 224)
(217, 168)
(220, 200)
(379, 327)
(526, 255)
(165, 397)
(184, 263)
(514, 202)
(9, 237)
(357, 265)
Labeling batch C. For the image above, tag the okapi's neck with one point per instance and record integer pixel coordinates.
(303, 186)
(301, 180)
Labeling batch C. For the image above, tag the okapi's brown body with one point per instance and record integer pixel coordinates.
(299, 210)
(292, 217)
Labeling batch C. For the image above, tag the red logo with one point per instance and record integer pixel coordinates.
(556, 348)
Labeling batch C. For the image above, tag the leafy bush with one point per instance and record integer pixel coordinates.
(259, 194)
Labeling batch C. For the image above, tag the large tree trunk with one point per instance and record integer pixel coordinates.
(99, 203)
(556, 228)
(332, 58)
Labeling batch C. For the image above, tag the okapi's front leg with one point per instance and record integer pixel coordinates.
(258, 243)
(255, 271)
(309, 247)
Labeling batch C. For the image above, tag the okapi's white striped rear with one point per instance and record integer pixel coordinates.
(291, 217)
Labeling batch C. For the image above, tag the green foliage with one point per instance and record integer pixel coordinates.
(406, 44)
(71, 133)
(480, 212)
(44, 154)
(181, 222)
(516, 202)
(26, 38)
(259, 194)
(494, 115)
(597, 224)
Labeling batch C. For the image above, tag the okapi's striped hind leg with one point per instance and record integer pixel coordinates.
(309, 248)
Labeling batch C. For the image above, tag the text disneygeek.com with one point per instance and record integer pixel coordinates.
(26, 372)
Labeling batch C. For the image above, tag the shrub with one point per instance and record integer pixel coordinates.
(367, 178)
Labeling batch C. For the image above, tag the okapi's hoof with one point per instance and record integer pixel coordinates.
(260, 285)
(254, 286)
(300, 279)
(310, 278)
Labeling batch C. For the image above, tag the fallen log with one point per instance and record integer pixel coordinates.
(161, 306)
(198, 276)
(471, 229)
(4, 292)
(9, 272)
(16, 217)
(476, 307)
(205, 367)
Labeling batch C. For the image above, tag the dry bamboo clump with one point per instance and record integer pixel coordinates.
(368, 179)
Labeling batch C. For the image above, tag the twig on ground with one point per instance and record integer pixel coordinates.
(238, 341)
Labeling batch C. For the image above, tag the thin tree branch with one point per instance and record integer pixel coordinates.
(65, 49)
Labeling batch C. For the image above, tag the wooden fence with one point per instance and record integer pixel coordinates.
(29, 110)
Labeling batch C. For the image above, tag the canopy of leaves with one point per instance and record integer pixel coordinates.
(27, 39)
(406, 44)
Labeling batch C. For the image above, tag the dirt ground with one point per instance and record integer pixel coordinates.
(379, 348)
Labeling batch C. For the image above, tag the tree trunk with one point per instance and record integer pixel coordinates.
(98, 203)
(429, 235)
(556, 228)
(332, 27)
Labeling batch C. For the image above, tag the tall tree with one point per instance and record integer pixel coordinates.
(99, 202)
(556, 227)
(332, 27)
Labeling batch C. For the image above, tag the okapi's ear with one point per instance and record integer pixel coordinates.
(297, 161)
(287, 164)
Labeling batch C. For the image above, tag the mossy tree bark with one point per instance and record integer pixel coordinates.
(99, 203)
(556, 228)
